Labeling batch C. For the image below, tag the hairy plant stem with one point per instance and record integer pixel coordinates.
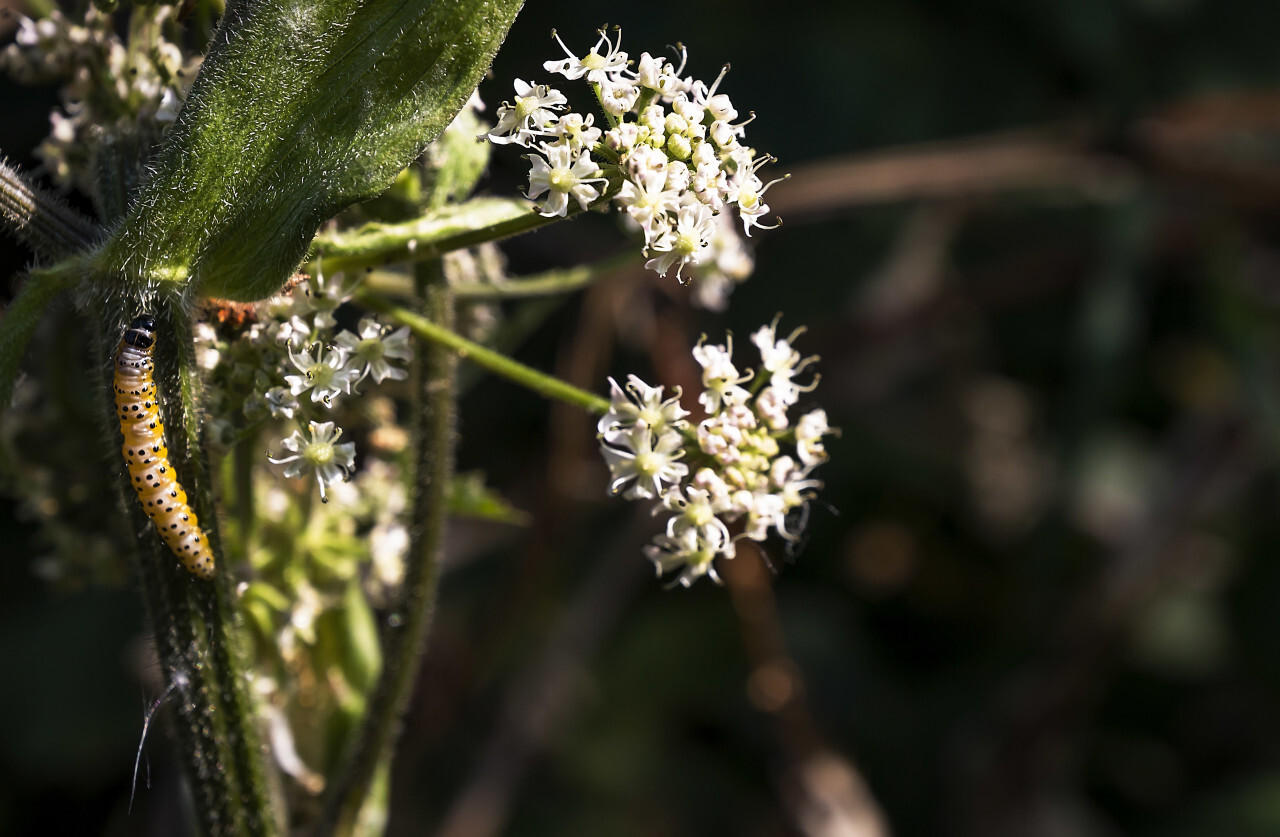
(546, 385)
(405, 639)
(39, 217)
(194, 622)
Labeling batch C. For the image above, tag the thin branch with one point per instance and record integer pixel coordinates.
(960, 168)
(405, 643)
(824, 791)
(540, 382)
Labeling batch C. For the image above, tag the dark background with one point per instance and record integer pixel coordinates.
(1040, 592)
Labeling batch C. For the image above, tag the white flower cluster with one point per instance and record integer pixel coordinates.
(732, 469)
(106, 79)
(293, 373)
(670, 154)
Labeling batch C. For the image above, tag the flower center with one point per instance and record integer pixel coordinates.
(687, 243)
(320, 453)
(560, 179)
(321, 374)
(648, 464)
(525, 105)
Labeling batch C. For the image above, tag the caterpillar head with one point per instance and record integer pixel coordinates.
(141, 332)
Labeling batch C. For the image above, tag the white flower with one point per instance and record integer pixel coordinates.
(725, 434)
(649, 70)
(721, 108)
(775, 354)
(329, 461)
(695, 509)
(702, 94)
(293, 333)
(596, 67)
(782, 362)
(690, 112)
(281, 402)
(327, 293)
(324, 373)
(648, 199)
(763, 510)
(638, 460)
(623, 138)
(687, 243)
(618, 97)
(691, 549)
(578, 131)
(724, 134)
(561, 176)
(206, 345)
(678, 178)
(388, 544)
(727, 262)
(685, 552)
(645, 162)
(747, 190)
(809, 432)
(660, 76)
(719, 375)
(772, 408)
(796, 491)
(368, 353)
(640, 403)
(531, 116)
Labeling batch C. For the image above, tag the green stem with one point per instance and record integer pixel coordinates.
(550, 283)
(434, 382)
(193, 621)
(540, 382)
(465, 225)
(475, 222)
(39, 217)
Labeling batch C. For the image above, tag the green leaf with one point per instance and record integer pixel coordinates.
(470, 497)
(301, 108)
(361, 652)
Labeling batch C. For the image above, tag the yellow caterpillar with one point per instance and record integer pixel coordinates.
(145, 453)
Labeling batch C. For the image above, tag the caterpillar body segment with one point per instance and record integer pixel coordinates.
(146, 455)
